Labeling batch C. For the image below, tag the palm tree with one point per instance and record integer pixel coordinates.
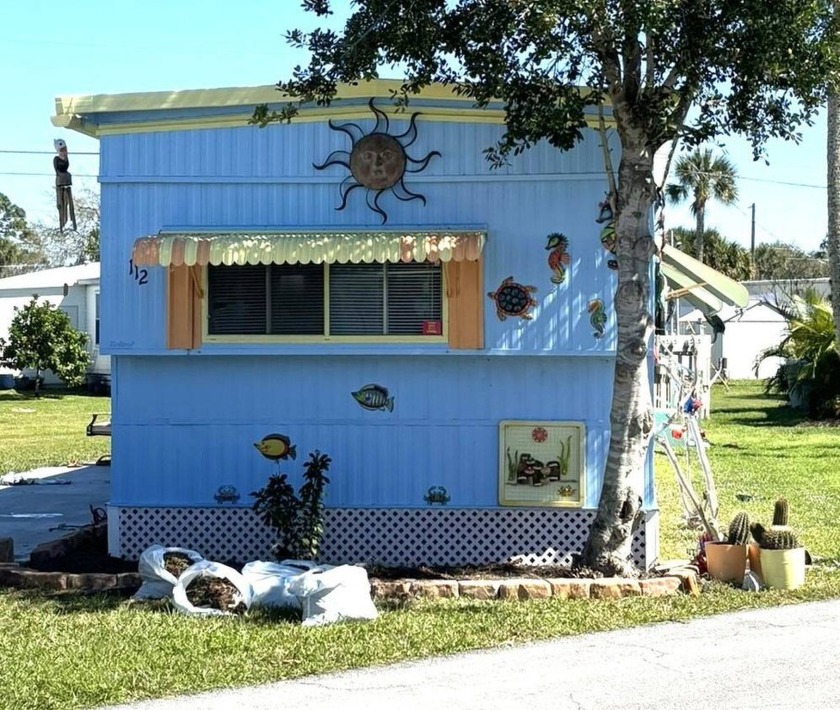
(701, 176)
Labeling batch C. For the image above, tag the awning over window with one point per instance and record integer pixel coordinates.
(176, 249)
(699, 284)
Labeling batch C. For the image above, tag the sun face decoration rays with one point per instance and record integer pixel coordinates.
(377, 161)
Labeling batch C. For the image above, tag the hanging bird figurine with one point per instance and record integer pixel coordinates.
(597, 317)
(558, 257)
(63, 186)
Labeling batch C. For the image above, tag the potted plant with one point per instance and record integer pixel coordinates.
(782, 557)
(727, 560)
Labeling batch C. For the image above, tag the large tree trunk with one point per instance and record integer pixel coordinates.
(833, 237)
(608, 548)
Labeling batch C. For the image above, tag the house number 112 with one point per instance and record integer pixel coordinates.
(141, 276)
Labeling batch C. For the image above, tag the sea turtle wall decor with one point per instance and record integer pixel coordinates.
(513, 299)
(558, 256)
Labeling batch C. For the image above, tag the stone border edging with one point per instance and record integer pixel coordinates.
(685, 580)
(527, 588)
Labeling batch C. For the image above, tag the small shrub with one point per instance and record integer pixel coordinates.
(297, 519)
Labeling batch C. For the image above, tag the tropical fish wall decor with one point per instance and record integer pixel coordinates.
(558, 256)
(276, 447)
(513, 299)
(597, 317)
(374, 397)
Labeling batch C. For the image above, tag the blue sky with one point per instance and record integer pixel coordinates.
(99, 46)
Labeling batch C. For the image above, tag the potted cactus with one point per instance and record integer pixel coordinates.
(782, 557)
(727, 560)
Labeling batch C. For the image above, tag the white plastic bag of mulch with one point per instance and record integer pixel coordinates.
(270, 581)
(212, 570)
(330, 594)
(157, 580)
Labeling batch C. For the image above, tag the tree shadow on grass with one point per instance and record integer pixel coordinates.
(772, 415)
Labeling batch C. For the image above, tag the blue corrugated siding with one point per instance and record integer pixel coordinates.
(185, 424)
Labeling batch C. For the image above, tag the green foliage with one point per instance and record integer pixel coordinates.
(298, 520)
(723, 255)
(778, 261)
(812, 373)
(19, 247)
(739, 530)
(780, 512)
(762, 78)
(41, 337)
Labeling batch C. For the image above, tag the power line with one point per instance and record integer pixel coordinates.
(780, 182)
(44, 152)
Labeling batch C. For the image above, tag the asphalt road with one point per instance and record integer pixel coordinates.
(784, 657)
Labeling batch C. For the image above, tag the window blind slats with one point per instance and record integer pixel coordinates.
(364, 299)
(237, 300)
(297, 299)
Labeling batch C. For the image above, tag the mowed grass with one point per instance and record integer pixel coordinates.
(48, 430)
(71, 651)
(761, 450)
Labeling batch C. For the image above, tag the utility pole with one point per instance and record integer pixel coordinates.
(752, 240)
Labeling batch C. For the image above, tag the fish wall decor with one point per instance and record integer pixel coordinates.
(276, 447)
(374, 397)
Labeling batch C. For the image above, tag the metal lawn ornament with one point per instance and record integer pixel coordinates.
(63, 186)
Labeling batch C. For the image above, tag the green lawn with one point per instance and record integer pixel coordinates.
(48, 430)
(75, 651)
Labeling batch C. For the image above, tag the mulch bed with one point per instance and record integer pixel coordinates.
(88, 555)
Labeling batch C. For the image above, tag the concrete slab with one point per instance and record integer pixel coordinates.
(58, 501)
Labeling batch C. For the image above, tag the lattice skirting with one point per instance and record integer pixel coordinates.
(385, 536)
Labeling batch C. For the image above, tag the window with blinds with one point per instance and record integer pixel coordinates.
(373, 300)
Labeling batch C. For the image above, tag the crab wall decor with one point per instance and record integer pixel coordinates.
(227, 494)
(437, 494)
(513, 299)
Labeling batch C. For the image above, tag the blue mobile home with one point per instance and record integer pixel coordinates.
(361, 282)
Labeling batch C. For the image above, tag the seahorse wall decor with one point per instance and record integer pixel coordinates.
(558, 256)
(597, 317)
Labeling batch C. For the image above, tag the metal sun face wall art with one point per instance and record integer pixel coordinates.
(378, 161)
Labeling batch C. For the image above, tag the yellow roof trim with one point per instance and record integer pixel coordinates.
(78, 112)
(240, 248)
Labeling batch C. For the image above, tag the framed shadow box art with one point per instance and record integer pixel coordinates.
(541, 463)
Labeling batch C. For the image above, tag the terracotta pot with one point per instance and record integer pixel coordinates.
(754, 556)
(726, 562)
(783, 569)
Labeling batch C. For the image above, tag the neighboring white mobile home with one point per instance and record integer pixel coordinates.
(74, 290)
